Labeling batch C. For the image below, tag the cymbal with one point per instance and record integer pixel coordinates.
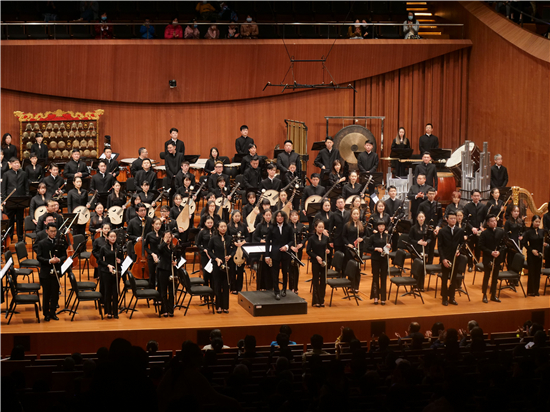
(352, 142)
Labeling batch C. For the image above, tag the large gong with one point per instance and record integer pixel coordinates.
(352, 139)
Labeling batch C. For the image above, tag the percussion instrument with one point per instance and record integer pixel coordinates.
(352, 139)
(161, 171)
(123, 173)
(129, 160)
(445, 187)
(232, 169)
(455, 161)
(198, 168)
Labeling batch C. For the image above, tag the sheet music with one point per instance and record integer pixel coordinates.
(254, 249)
(181, 263)
(126, 264)
(66, 265)
(209, 266)
(5, 268)
(374, 198)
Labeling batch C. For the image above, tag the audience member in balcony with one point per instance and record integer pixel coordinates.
(174, 30)
(316, 348)
(146, 30)
(411, 26)
(249, 30)
(205, 10)
(212, 33)
(233, 31)
(50, 12)
(88, 10)
(103, 30)
(192, 30)
(215, 334)
(358, 31)
(226, 13)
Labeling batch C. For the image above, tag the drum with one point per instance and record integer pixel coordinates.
(123, 174)
(197, 170)
(232, 169)
(128, 161)
(161, 171)
(445, 187)
(455, 161)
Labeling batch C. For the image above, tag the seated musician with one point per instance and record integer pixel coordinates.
(428, 141)
(43, 234)
(146, 174)
(264, 205)
(131, 211)
(146, 195)
(499, 174)
(496, 206)
(326, 157)
(169, 224)
(245, 162)
(77, 197)
(210, 165)
(221, 190)
(112, 164)
(53, 181)
(251, 203)
(353, 187)
(177, 208)
(291, 174)
(75, 167)
(97, 218)
(418, 193)
(367, 160)
(210, 197)
(137, 164)
(102, 181)
(287, 157)
(186, 188)
(314, 189)
(52, 206)
(283, 200)
(243, 142)
(427, 169)
(34, 171)
(210, 213)
(253, 175)
(213, 178)
(38, 200)
(184, 170)
(271, 182)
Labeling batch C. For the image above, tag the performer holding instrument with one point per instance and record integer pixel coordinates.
(318, 249)
(15, 182)
(449, 240)
(420, 238)
(491, 243)
(151, 245)
(237, 229)
(202, 240)
(278, 241)
(379, 245)
(535, 240)
(117, 202)
(298, 232)
(78, 197)
(220, 249)
(109, 261)
(38, 203)
(354, 232)
(167, 259)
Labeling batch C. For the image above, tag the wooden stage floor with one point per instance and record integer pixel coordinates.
(88, 332)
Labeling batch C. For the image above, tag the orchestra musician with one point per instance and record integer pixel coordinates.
(179, 145)
(367, 161)
(353, 187)
(97, 244)
(428, 141)
(401, 142)
(34, 171)
(102, 181)
(534, 241)
(271, 182)
(172, 160)
(137, 164)
(97, 218)
(462, 224)
(112, 164)
(449, 238)
(10, 151)
(326, 216)
(243, 142)
(454, 206)
(297, 247)
(131, 211)
(375, 245)
(380, 215)
(40, 149)
(167, 259)
(420, 239)
(52, 206)
(184, 171)
(210, 212)
(146, 194)
(4, 166)
(314, 189)
(434, 216)
(139, 225)
(43, 234)
(496, 205)
(50, 257)
(428, 169)
(75, 167)
(493, 248)
(146, 175)
(53, 181)
(213, 178)
(475, 213)
(210, 165)
(110, 258)
(77, 197)
(235, 228)
(336, 173)
(278, 241)
(339, 219)
(169, 225)
(394, 208)
(221, 249)
(354, 231)
(245, 162)
(15, 179)
(288, 156)
(418, 193)
(264, 278)
(252, 176)
(117, 198)
(201, 241)
(318, 250)
(499, 173)
(38, 200)
(326, 157)
(151, 245)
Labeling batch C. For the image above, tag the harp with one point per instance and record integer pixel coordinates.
(522, 197)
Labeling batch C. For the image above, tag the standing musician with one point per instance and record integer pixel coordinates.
(279, 239)
(418, 193)
(493, 248)
(131, 211)
(136, 164)
(237, 228)
(264, 278)
(97, 218)
(253, 175)
(38, 200)
(353, 187)
(151, 245)
(313, 189)
(297, 247)
(379, 215)
(213, 178)
(449, 238)
(77, 197)
(428, 141)
(271, 182)
(353, 237)
(336, 173)
(52, 206)
(182, 173)
(179, 145)
(434, 216)
(50, 257)
(367, 160)
(535, 244)
(110, 258)
(326, 157)
(339, 219)
(357, 203)
(475, 213)
(202, 240)
(401, 142)
(318, 250)
(75, 167)
(326, 216)
(53, 181)
(172, 160)
(454, 206)
(420, 238)
(102, 181)
(496, 206)
(284, 159)
(375, 245)
(546, 225)
(220, 249)
(10, 150)
(112, 164)
(428, 169)
(243, 142)
(139, 226)
(39, 148)
(96, 247)
(166, 262)
(394, 208)
(4, 166)
(117, 198)
(34, 171)
(146, 175)
(169, 225)
(462, 224)
(15, 179)
(499, 174)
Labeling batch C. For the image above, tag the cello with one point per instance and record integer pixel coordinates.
(140, 269)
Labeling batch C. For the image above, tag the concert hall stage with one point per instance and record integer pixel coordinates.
(88, 332)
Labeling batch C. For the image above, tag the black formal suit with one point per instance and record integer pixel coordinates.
(180, 146)
(269, 184)
(112, 167)
(107, 256)
(136, 229)
(310, 191)
(326, 159)
(58, 221)
(391, 207)
(448, 241)
(136, 166)
(475, 215)
(339, 220)
(52, 184)
(36, 202)
(367, 162)
(277, 237)
(427, 143)
(294, 273)
(217, 250)
(4, 167)
(379, 265)
(351, 190)
(19, 182)
(489, 241)
(9, 152)
(413, 191)
(242, 144)
(35, 174)
(316, 247)
(434, 217)
(45, 250)
(284, 160)
(72, 168)
(213, 181)
(173, 163)
(164, 271)
(245, 163)
(428, 170)
(252, 178)
(499, 176)
(74, 200)
(143, 176)
(180, 176)
(41, 151)
(102, 182)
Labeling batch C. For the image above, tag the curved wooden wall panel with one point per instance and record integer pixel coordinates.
(206, 70)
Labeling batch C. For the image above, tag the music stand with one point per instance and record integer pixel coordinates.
(253, 252)
(318, 145)
(313, 208)
(401, 153)
(404, 226)
(191, 158)
(438, 154)
(18, 202)
(276, 152)
(77, 251)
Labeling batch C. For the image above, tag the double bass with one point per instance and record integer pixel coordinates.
(140, 269)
